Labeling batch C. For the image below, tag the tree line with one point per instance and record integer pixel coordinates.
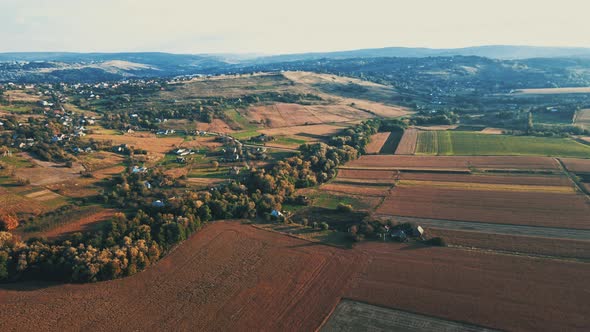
(130, 243)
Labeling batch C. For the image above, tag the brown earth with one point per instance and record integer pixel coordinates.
(577, 165)
(519, 244)
(504, 207)
(500, 291)
(227, 277)
(366, 174)
(146, 141)
(83, 221)
(356, 189)
(46, 172)
(407, 145)
(310, 132)
(237, 277)
(520, 179)
(287, 115)
(376, 143)
(492, 131)
(459, 163)
(22, 96)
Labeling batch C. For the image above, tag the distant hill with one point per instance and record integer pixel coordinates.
(503, 52)
(90, 67)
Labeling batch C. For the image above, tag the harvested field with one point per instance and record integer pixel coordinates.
(493, 228)
(312, 132)
(359, 316)
(46, 172)
(145, 141)
(227, 277)
(505, 292)
(99, 160)
(365, 96)
(492, 131)
(228, 87)
(22, 96)
(502, 207)
(13, 203)
(232, 277)
(366, 174)
(43, 195)
(577, 165)
(550, 91)
(287, 115)
(518, 244)
(489, 186)
(216, 125)
(356, 189)
(582, 118)
(376, 143)
(407, 145)
(108, 172)
(454, 163)
(85, 221)
(514, 179)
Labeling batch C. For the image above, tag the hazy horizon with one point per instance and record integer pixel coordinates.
(281, 27)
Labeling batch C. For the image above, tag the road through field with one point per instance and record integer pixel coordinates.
(549, 232)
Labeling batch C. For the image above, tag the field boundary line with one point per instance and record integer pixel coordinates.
(572, 178)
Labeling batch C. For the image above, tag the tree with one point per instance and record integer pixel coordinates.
(3, 265)
(530, 125)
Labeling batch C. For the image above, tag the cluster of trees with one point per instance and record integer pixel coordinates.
(132, 242)
(121, 109)
(436, 118)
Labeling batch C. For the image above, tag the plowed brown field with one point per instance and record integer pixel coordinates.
(520, 179)
(503, 207)
(286, 115)
(376, 143)
(237, 277)
(577, 165)
(521, 244)
(227, 277)
(500, 291)
(454, 162)
(407, 144)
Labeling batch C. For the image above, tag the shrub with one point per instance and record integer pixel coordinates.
(344, 207)
(324, 226)
(436, 241)
(23, 181)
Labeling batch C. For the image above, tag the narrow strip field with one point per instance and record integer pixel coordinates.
(582, 118)
(472, 143)
(407, 145)
(376, 143)
(518, 244)
(502, 207)
(493, 228)
(453, 163)
(358, 316)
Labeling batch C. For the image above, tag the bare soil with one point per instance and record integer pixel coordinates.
(407, 144)
(237, 277)
(376, 143)
(503, 207)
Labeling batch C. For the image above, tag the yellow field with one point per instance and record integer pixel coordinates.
(490, 186)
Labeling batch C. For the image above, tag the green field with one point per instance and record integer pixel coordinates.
(471, 143)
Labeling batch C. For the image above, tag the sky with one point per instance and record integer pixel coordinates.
(280, 27)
